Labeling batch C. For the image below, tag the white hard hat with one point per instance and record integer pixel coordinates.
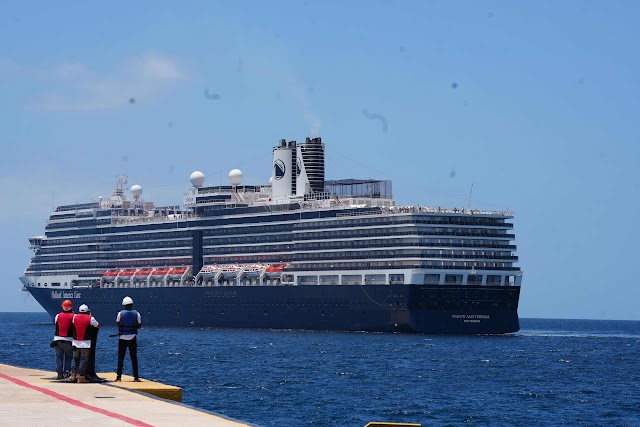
(84, 308)
(127, 301)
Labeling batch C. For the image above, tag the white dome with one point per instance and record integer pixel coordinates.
(235, 176)
(197, 179)
(136, 191)
(270, 180)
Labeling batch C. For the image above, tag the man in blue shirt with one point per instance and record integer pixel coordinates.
(129, 321)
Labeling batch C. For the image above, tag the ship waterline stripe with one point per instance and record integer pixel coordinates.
(75, 402)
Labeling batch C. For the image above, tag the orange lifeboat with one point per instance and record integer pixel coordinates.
(143, 272)
(275, 268)
(127, 272)
(160, 272)
(177, 272)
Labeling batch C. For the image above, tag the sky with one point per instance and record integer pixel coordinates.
(534, 104)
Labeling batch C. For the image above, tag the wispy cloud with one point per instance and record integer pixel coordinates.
(77, 87)
(293, 87)
(299, 94)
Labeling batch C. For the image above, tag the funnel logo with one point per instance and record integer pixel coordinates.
(278, 169)
(298, 167)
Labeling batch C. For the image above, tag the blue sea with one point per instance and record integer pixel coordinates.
(553, 372)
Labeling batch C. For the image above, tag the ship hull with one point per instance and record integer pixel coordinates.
(375, 308)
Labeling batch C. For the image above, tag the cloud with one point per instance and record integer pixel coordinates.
(77, 87)
(155, 67)
(10, 68)
(295, 90)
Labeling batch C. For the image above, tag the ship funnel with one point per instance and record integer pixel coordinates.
(281, 171)
(310, 167)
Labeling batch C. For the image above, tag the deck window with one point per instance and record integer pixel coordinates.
(396, 279)
(431, 279)
(307, 280)
(453, 279)
(493, 279)
(352, 279)
(474, 279)
(331, 279)
(375, 279)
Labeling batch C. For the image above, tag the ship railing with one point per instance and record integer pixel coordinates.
(155, 218)
(359, 213)
(439, 209)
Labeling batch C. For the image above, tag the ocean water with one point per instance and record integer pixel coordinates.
(553, 372)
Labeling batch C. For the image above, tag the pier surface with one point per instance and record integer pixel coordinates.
(29, 397)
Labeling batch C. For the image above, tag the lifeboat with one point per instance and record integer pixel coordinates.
(231, 271)
(127, 272)
(209, 270)
(253, 270)
(109, 276)
(159, 272)
(177, 272)
(143, 272)
(274, 270)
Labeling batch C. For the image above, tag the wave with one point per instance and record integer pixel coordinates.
(571, 334)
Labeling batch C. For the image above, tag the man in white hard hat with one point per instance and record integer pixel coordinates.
(129, 321)
(82, 323)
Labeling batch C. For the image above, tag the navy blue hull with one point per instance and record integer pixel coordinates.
(379, 308)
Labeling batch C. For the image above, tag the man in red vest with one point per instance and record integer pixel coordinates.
(62, 339)
(82, 339)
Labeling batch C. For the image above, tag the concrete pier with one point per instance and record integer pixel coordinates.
(29, 397)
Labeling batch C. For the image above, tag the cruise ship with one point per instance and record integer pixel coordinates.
(300, 252)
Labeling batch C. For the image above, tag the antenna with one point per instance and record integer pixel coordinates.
(470, 193)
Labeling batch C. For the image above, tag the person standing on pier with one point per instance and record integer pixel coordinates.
(82, 339)
(90, 373)
(63, 338)
(129, 321)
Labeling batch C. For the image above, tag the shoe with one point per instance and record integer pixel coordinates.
(118, 378)
(136, 380)
(72, 376)
(81, 379)
(59, 377)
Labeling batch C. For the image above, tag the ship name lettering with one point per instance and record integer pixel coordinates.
(220, 294)
(468, 317)
(65, 294)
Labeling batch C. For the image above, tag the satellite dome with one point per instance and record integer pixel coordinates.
(136, 191)
(235, 177)
(197, 179)
(270, 180)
